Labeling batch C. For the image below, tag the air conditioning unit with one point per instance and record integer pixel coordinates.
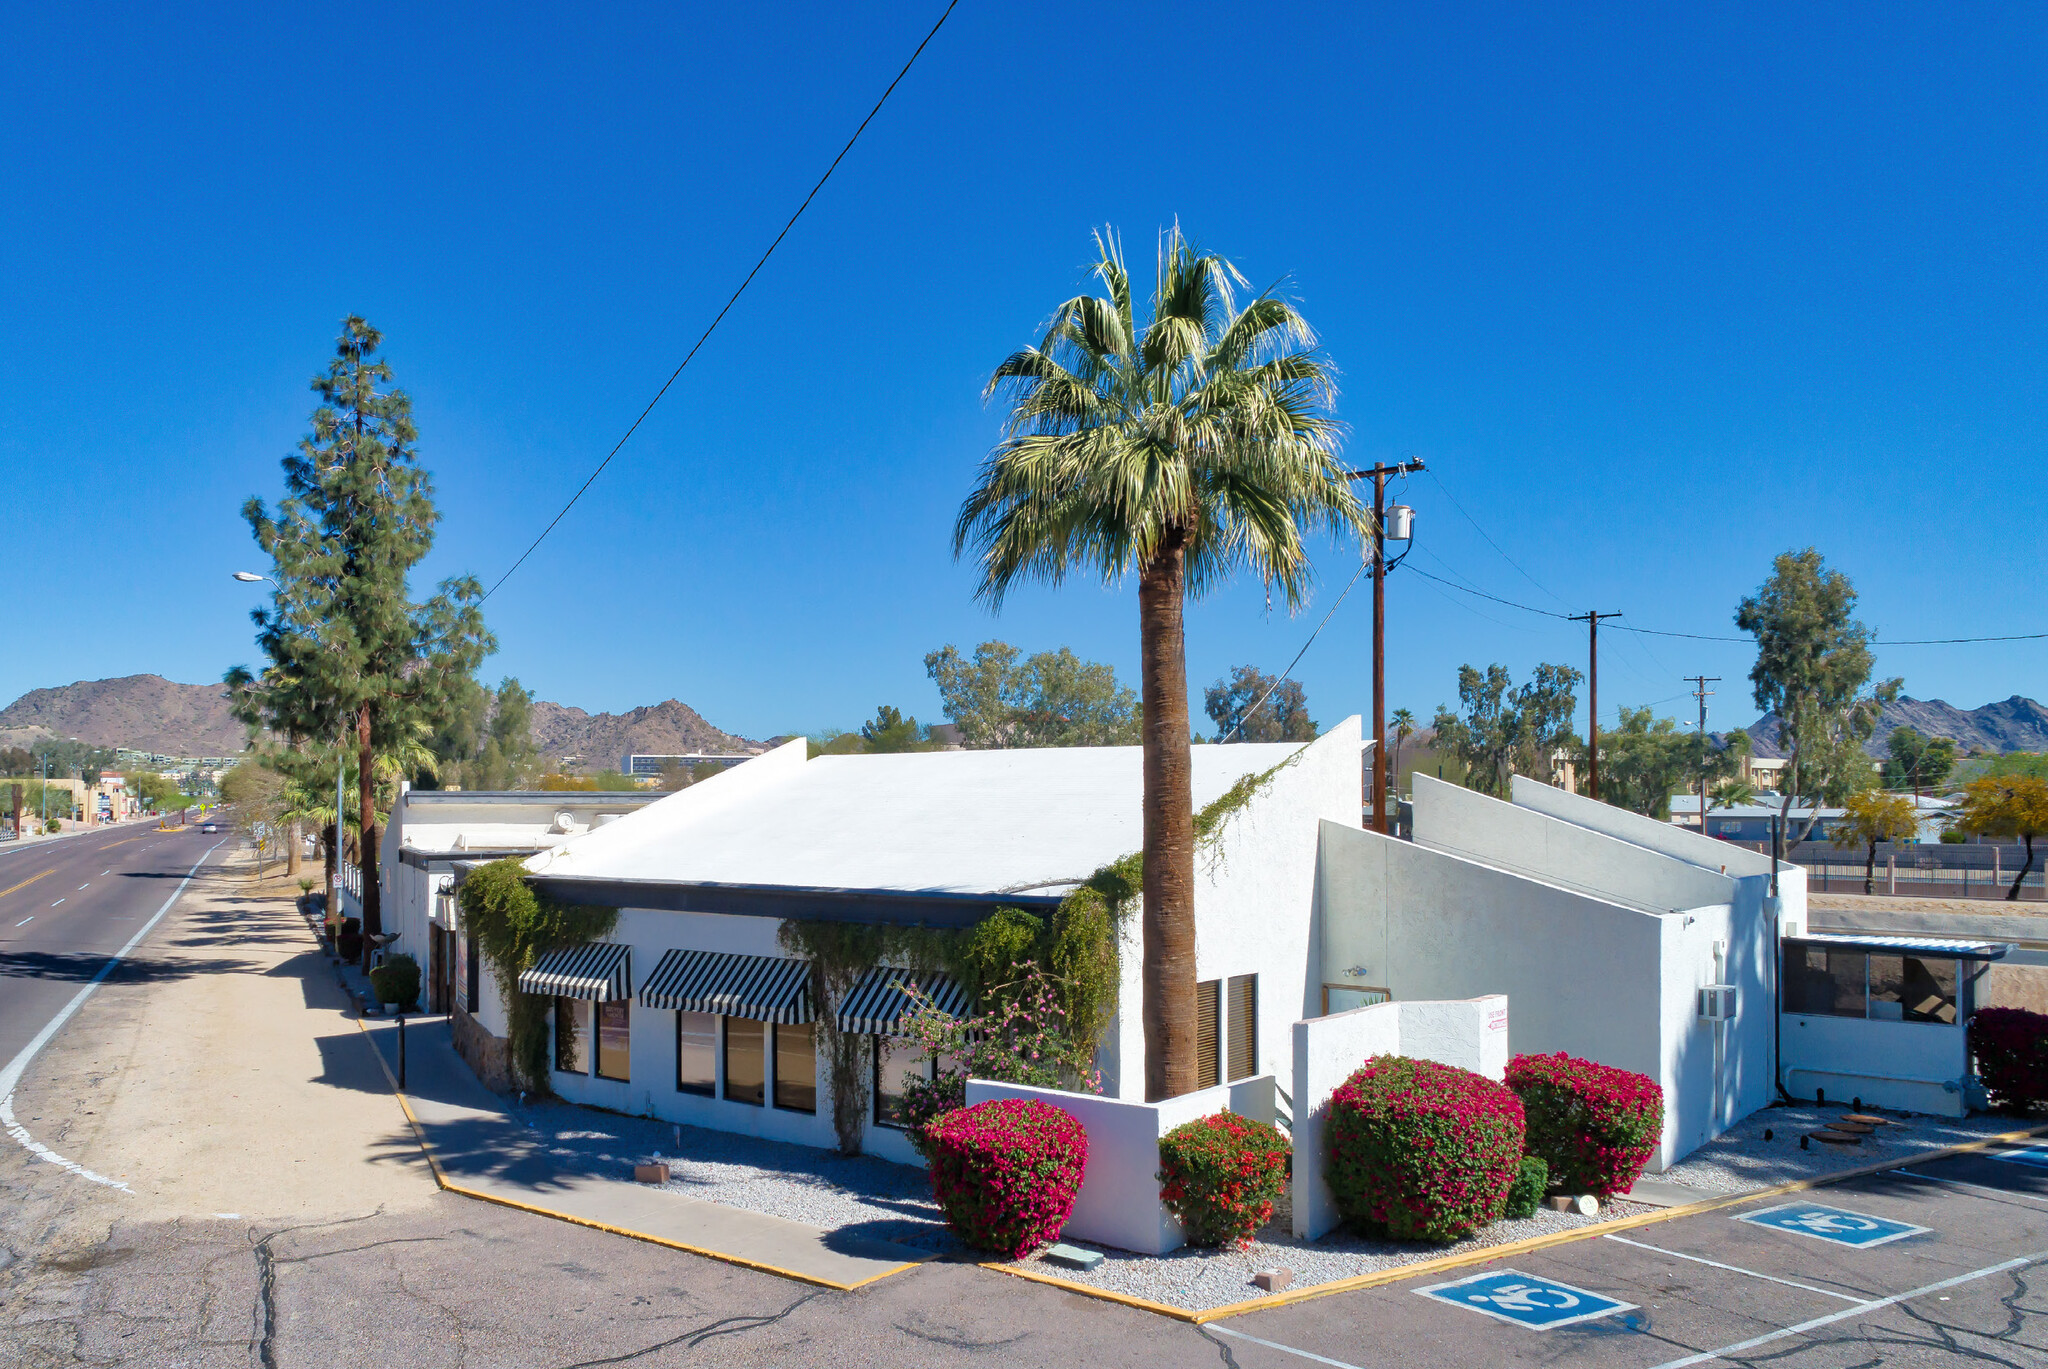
(1718, 1003)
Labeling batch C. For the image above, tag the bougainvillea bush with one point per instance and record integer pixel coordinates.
(1220, 1176)
(2011, 1047)
(1006, 1172)
(1594, 1125)
(1421, 1151)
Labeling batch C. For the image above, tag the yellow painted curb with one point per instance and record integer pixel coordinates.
(441, 1181)
(1482, 1255)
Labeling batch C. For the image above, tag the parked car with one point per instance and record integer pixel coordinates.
(209, 828)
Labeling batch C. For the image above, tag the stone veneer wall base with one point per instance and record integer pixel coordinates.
(489, 1056)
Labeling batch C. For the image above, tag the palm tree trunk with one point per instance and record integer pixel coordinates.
(366, 839)
(1169, 852)
(293, 849)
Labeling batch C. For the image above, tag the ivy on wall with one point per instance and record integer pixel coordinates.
(513, 926)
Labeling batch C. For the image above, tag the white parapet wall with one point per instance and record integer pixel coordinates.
(1470, 1033)
(1119, 1200)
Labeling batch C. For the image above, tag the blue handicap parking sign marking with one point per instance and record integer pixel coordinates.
(1854, 1229)
(2036, 1156)
(1524, 1299)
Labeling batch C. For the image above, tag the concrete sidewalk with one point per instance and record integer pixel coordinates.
(480, 1150)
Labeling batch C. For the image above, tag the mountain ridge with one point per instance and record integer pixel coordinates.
(2012, 724)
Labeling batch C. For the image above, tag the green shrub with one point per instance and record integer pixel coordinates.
(397, 980)
(1532, 1180)
(1421, 1151)
(1220, 1176)
(514, 926)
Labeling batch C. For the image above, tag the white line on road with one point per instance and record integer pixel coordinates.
(1974, 1188)
(1276, 1345)
(58, 901)
(11, 1075)
(1874, 1305)
(1737, 1269)
(25, 921)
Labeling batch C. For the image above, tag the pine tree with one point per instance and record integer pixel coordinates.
(352, 656)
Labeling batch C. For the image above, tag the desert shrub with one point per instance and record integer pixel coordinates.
(1006, 1172)
(1220, 1176)
(397, 980)
(1594, 1125)
(1420, 1150)
(1532, 1181)
(2011, 1048)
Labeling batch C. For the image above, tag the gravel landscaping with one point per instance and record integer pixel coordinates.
(1741, 1158)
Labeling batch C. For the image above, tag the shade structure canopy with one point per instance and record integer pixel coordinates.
(762, 988)
(600, 971)
(881, 1000)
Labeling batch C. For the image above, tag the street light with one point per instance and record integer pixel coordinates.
(250, 577)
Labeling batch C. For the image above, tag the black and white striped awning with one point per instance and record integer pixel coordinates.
(878, 1004)
(597, 970)
(763, 988)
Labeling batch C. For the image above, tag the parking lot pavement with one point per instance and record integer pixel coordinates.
(1942, 1263)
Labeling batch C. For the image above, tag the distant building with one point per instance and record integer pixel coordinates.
(641, 766)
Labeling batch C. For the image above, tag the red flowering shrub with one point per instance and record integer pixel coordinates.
(1220, 1175)
(1006, 1171)
(1594, 1125)
(2011, 1046)
(1421, 1151)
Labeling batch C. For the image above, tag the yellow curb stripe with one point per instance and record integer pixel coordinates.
(441, 1181)
(1398, 1273)
(25, 883)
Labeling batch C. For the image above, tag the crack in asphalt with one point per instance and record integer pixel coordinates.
(690, 1340)
(264, 1342)
(1229, 1360)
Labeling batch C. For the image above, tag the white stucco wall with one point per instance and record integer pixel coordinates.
(1916, 1066)
(1118, 1204)
(1471, 1034)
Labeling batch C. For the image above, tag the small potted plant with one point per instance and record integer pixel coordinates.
(397, 983)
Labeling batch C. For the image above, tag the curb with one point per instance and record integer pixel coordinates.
(441, 1181)
(1418, 1268)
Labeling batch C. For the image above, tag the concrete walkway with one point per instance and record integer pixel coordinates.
(480, 1150)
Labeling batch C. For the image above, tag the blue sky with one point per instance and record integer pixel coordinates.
(1657, 294)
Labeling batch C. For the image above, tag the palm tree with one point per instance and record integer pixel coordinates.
(1403, 720)
(1201, 445)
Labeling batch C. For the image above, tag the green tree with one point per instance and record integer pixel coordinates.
(889, 730)
(349, 649)
(1643, 762)
(1812, 663)
(2007, 806)
(1252, 706)
(1870, 816)
(1917, 763)
(1178, 453)
(1403, 720)
(1052, 698)
(1504, 730)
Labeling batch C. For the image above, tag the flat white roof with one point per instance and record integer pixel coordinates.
(965, 822)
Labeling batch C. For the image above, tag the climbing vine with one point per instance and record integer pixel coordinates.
(513, 926)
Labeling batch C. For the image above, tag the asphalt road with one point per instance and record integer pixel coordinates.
(69, 903)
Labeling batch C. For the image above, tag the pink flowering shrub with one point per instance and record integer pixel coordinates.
(1420, 1151)
(1006, 1172)
(1594, 1125)
(2011, 1047)
(1219, 1175)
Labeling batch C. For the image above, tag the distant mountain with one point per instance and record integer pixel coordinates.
(146, 712)
(2014, 724)
(601, 740)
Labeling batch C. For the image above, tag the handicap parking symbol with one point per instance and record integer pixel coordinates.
(1839, 1225)
(1524, 1299)
(2031, 1155)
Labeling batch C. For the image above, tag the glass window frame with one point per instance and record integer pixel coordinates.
(621, 1008)
(577, 1042)
(878, 1048)
(759, 1031)
(775, 1037)
(717, 1053)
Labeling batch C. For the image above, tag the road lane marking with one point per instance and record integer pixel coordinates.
(10, 1077)
(1874, 1305)
(25, 921)
(58, 901)
(1974, 1188)
(24, 884)
(1275, 1345)
(1736, 1269)
(83, 887)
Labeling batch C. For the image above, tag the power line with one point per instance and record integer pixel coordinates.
(1248, 713)
(1489, 539)
(706, 335)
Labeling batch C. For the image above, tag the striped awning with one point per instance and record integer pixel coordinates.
(597, 970)
(878, 1004)
(763, 988)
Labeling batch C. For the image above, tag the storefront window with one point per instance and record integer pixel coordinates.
(746, 1065)
(796, 1069)
(897, 1061)
(1823, 981)
(572, 1035)
(696, 1053)
(614, 1040)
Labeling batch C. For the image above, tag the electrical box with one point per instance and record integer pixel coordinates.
(1718, 1002)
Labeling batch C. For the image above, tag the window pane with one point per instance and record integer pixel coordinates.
(796, 1069)
(1208, 1064)
(1929, 990)
(471, 959)
(896, 1060)
(572, 1035)
(1823, 982)
(1244, 1026)
(746, 1068)
(614, 1039)
(696, 1052)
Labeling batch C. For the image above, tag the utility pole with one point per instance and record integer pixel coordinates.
(1702, 693)
(1378, 475)
(1591, 618)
